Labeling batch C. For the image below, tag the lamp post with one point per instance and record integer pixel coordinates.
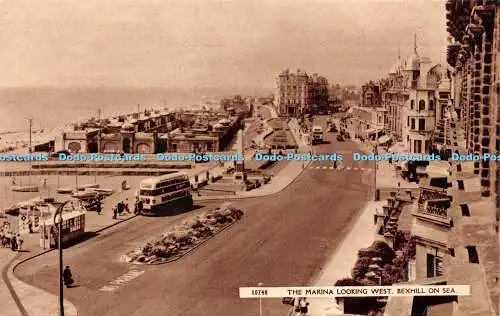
(260, 300)
(59, 212)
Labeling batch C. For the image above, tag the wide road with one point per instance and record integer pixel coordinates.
(283, 240)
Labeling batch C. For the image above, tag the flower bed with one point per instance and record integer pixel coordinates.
(183, 238)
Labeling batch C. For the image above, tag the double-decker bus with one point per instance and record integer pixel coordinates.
(166, 193)
(317, 134)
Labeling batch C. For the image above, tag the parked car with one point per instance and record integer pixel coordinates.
(249, 186)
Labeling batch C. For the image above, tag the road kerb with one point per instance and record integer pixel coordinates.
(8, 273)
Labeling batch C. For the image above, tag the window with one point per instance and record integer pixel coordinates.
(465, 209)
(412, 104)
(408, 123)
(412, 123)
(473, 256)
(421, 105)
(418, 146)
(460, 185)
(434, 266)
(431, 105)
(421, 124)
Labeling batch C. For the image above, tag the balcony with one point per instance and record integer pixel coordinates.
(432, 193)
(432, 210)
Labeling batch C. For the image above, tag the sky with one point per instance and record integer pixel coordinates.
(207, 43)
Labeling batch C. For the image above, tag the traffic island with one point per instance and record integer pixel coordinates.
(184, 238)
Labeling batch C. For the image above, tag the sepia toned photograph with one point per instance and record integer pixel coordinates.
(249, 157)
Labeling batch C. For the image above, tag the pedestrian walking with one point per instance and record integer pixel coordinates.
(98, 207)
(126, 206)
(30, 226)
(68, 277)
(13, 243)
(140, 206)
(20, 242)
(115, 212)
(120, 207)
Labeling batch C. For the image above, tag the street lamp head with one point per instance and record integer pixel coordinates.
(260, 284)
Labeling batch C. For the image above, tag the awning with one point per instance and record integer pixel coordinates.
(384, 140)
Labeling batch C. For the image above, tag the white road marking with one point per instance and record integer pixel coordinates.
(348, 168)
(331, 167)
(355, 168)
(318, 167)
(127, 277)
(324, 167)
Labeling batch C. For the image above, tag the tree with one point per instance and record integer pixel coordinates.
(383, 251)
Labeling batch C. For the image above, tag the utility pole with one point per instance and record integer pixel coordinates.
(260, 300)
(59, 212)
(30, 122)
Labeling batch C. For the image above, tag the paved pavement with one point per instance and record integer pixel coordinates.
(283, 239)
(361, 235)
(7, 304)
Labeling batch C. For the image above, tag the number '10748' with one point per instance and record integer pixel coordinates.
(259, 292)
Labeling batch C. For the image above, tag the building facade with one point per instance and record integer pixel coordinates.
(474, 55)
(409, 94)
(298, 93)
(371, 95)
(135, 133)
(184, 131)
(457, 236)
(368, 122)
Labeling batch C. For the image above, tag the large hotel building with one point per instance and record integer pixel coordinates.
(298, 93)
